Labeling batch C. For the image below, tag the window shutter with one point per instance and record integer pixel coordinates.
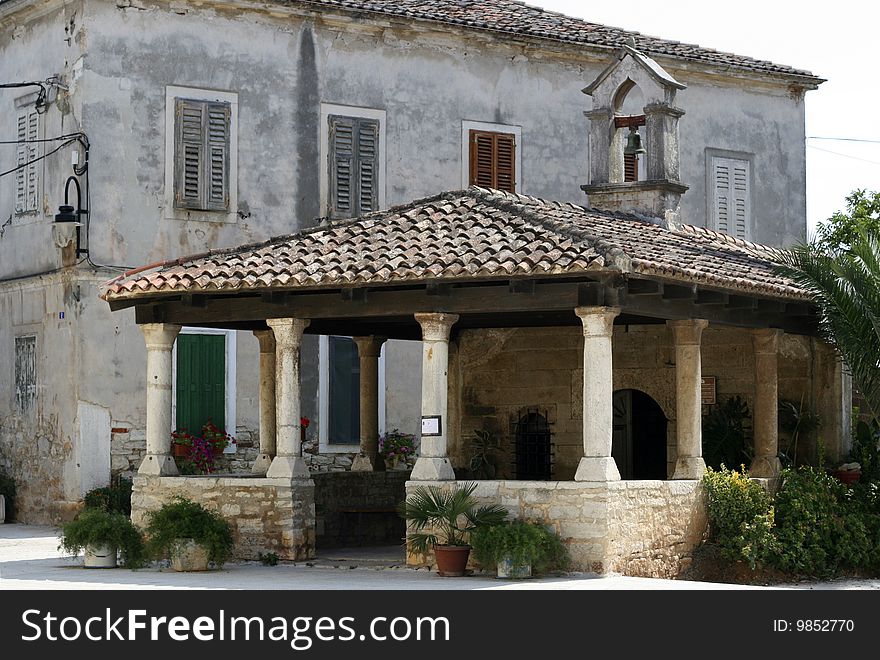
(25, 372)
(33, 134)
(493, 160)
(27, 177)
(731, 201)
(367, 165)
(342, 131)
(189, 150)
(217, 175)
(21, 173)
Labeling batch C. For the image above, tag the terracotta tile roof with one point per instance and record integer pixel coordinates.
(516, 18)
(474, 233)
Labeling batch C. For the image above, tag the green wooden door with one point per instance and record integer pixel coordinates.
(201, 381)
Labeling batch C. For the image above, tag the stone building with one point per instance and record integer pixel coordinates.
(212, 124)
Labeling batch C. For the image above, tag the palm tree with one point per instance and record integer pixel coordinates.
(845, 284)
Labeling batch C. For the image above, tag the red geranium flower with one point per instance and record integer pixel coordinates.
(304, 422)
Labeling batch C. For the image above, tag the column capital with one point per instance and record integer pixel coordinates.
(369, 346)
(288, 331)
(687, 332)
(597, 321)
(159, 335)
(663, 109)
(766, 340)
(599, 114)
(436, 326)
(266, 339)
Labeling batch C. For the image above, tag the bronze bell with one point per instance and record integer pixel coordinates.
(634, 143)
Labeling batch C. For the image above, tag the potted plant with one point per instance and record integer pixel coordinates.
(518, 548)
(442, 519)
(101, 535)
(396, 447)
(181, 443)
(216, 438)
(189, 534)
(303, 425)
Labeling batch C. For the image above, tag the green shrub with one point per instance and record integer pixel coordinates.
(740, 516)
(115, 498)
(823, 527)
(184, 519)
(7, 488)
(522, 543)
(94, 527)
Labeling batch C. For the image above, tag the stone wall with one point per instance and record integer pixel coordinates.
(639, 528)
(340, 490)
(266, 515)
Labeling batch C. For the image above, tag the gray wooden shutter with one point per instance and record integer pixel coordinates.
(21, 172)
(368, 165)
(25, 372)
(27, 185)
(217, 178)
(731, 203)
(342, 162)
(189, 154)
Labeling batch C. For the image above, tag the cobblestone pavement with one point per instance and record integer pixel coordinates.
(29, 559)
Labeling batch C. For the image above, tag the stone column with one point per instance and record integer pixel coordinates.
(661, 126)
(686, 335)
(160, 340)
(601, 134)
(267, 401)
(368, 459)
(288, 462)
(433, 464)
(597, 463)
(766, 463)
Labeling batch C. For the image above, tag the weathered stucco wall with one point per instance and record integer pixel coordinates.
(266, 515)
(640, 528)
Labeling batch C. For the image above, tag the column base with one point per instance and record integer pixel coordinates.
(367, 463)
(689, 467)
(428, 468)
(289, 467)
(597, 468)
(158, 465)
(261, 465)
(765, 467)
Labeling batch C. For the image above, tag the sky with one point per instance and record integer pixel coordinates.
(835, 41)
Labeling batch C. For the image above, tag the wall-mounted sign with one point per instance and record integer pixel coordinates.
(707, 390)
(431, 425)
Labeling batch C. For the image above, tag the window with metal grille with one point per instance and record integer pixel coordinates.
(534, 447)
(25, 372)
(354, 166)
(730, 206)
(27, 181)
(201, 154)
(493, 160)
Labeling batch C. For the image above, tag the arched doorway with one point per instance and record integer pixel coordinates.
(639, 437)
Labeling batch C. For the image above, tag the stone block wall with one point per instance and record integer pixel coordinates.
(266, 515)
(638, 528)
(340, 490)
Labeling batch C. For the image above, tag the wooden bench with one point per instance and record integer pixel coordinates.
(349, 514)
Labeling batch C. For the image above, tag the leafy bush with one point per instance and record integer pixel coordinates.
(184, 519)
(864, 449)
(115, 498)
(95, 527)
(7, 489)
(740, 516)
(522, 543)
(823, 527)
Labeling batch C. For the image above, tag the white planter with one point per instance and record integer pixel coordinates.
(187, 555)
(507, 569)
(100, 556)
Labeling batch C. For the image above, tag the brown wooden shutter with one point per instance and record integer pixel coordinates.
(630, 167)
(493, 160)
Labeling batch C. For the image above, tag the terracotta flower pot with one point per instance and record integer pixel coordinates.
(848, 477)
(451, 559)
(179, 451)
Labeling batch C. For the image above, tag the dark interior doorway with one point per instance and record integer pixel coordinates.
(639, 439)
(534, 447)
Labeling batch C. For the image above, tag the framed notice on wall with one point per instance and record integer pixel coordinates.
(707, 390)
(431, 425)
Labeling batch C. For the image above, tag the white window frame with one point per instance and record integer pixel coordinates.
(467, 126)
(324, 446)
(711, 220)
(230, 373)
(328, 109)
(172, 93)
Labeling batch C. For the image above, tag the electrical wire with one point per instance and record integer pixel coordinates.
(40, 103)
(36, 160)
(837, 153)
(53, 139)
(842, 139)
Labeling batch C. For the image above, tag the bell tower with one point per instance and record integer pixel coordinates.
(621, 140)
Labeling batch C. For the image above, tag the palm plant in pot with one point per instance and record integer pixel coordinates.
(189, 534)
(102, 535)
(519, 548)
(443, 519)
